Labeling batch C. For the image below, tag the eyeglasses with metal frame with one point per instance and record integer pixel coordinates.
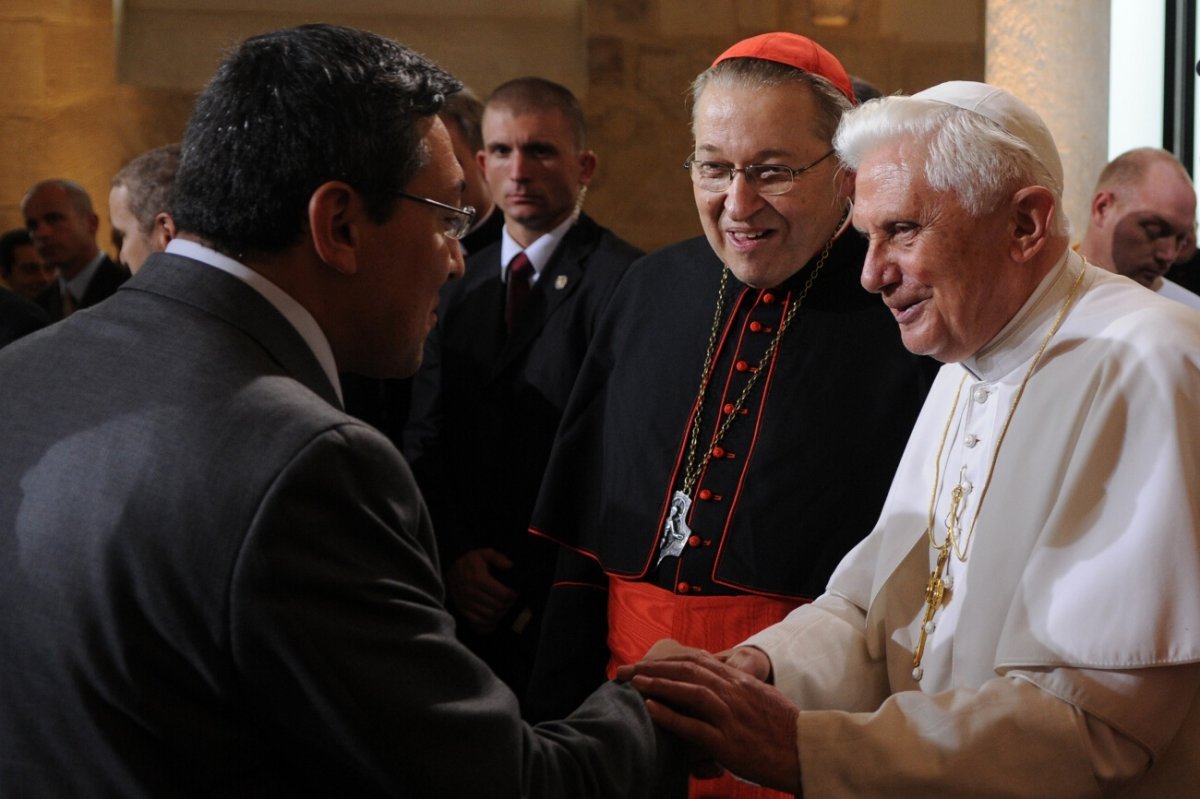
(766, 179)
(455, 226)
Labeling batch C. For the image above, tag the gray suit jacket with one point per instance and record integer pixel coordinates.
(215, 582)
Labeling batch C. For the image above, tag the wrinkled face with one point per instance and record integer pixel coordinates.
(765, 240)
(943, 273)
(403, 263)
(1151, 224)
(30, 275)
(134, 244)
(65, 237)
(534, 168)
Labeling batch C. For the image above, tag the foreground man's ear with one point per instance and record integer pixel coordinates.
(335, 212)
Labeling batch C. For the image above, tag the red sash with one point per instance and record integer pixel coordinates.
(639, 614)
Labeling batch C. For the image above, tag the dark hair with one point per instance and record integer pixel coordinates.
(523, 95)
(466, 111)
(295, 108)
(864, 90)
(148, 180)
(9, 242)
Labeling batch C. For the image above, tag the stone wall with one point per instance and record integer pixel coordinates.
(65, 114)
(643, 54)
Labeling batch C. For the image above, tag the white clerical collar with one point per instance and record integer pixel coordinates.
(1019, 340)
(294, 312)
(538, 253)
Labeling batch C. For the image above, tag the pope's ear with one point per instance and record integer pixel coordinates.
(335, 214)
(1033, 217)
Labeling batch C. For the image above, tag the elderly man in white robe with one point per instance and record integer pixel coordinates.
(1025, 618)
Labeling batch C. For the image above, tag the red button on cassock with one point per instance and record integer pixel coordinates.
(718, 452)
(705, 494)
(768, 298)
(694, 541)
(756, 327)
(741, 366)
(683, 588)
(728, 408)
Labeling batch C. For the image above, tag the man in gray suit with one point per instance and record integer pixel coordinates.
(212, 580)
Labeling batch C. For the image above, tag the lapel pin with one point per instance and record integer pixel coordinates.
(560, 282)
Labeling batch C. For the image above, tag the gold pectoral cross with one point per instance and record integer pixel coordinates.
(935, 593)
(936, 588)
(956, 495)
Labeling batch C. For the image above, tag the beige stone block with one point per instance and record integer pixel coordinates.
(27, 10)
(950, 21)
(78, 59)
(22, 62)
(699, 18)
(664, 74)
(758, 16)
(922, 67)
(625, 12)
(642, 191)
(24, 143)
(606, 61)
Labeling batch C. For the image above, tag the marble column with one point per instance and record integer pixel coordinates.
(1053, 54)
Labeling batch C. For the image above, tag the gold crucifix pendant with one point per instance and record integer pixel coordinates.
(935, 593)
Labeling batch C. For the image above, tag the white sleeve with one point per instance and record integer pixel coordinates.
(1011, 737)
(819, 657)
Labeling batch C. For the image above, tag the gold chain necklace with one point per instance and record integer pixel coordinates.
(937, 586)
(675, 530)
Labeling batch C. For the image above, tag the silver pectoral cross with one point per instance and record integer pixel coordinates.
(675, 530)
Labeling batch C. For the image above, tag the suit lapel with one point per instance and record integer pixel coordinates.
(232, 301)
(557, 282)
(109, 276)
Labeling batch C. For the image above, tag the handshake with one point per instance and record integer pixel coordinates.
(723, 705)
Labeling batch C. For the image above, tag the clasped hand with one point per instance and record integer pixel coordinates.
(479, 595)
(722, 705)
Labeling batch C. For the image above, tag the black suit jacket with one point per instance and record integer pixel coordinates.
(215, 582)
(486, 404)
(108, 277)
(18, 317)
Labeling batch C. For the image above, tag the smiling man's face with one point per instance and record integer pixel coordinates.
(765, 240)
(944, 274)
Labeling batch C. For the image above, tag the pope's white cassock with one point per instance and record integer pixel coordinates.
(1069, 638)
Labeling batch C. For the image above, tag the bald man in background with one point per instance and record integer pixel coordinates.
(1142, 219)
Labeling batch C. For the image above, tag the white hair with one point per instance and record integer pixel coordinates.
(966, 153)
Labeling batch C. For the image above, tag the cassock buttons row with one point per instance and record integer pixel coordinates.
(707, 496)
(683, 587)
(759, 327)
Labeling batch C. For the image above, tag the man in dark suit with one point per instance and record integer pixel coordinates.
(18, 317)
(501, 365)
(213, 580)
(60, 218)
